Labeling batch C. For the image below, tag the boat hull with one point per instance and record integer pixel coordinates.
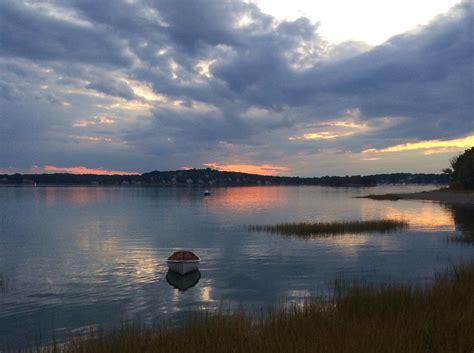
(183, 266)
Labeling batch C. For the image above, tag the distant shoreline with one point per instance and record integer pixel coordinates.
(207, 186)
(442, 195)
(211, 178)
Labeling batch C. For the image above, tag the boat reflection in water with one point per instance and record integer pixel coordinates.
(183, 282)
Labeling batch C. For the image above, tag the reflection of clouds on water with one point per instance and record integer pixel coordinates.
(138, 264)
(243, 199)
(80, 196)
(350, 245)
(297, 296)
(426, 216)
(205, 293)
(105, 250)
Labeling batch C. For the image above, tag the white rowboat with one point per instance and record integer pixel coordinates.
(183, 262)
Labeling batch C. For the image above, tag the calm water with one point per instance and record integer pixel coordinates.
(72, 258)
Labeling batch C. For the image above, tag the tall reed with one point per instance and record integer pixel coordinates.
(311, 229)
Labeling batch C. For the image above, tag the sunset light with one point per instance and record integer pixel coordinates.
(262, 169)
(429, 147)
(85, 170)
(216, 175)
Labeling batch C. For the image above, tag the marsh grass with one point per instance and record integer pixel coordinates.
(387, 319)
(313, 229)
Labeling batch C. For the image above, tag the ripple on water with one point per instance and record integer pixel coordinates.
(93, 257)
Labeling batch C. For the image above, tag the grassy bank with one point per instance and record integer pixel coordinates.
(312, 229)
(445, 195)
(387, 319)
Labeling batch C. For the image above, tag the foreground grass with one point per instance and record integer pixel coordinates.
(388, 319)
(308, 229)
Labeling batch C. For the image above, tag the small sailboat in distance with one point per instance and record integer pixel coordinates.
(207, 193)
(183, 261)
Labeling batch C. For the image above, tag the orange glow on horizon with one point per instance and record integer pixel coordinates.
(85, 170)
(261, 169)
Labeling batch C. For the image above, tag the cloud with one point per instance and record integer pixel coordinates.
(158, 85)
(96, 120)
(83, 170)
(429, 147)
(112, 88)
(37, 35)
(261, 169)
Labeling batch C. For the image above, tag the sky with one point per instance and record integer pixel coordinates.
(306, 88)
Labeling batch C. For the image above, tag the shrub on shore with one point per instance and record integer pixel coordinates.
(462, 170)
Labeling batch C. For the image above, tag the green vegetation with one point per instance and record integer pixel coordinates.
(306, 229)
(387, 319)
(462, 172)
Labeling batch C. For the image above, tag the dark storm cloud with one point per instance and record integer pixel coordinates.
(427, 76)
(192, 24)
(266, 80)
(28, 33)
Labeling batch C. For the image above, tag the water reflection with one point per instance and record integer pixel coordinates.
(80, 196)
(93, 257)
(240, 199)
(3, 283)
(464, 220)
(424, 216)
(136, 261)
(183, 282)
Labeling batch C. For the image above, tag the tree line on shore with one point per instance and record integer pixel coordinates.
(211, 177)
(461, 173)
